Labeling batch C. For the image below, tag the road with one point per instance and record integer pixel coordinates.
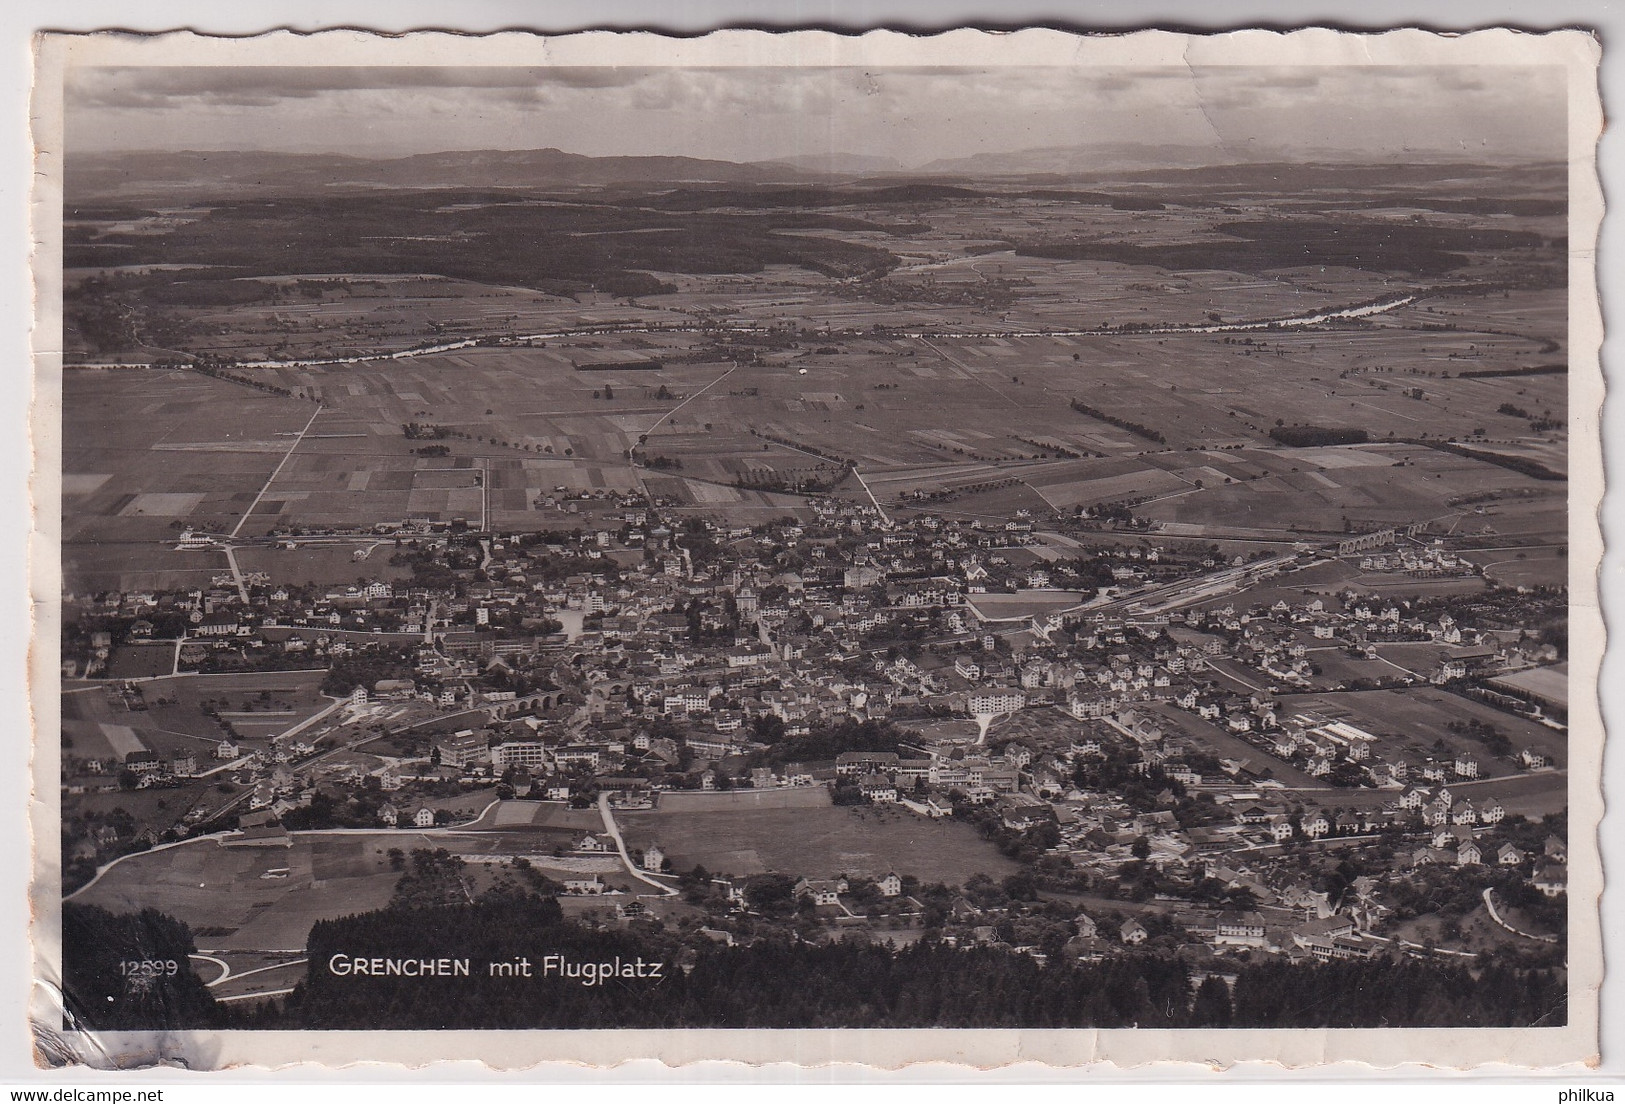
(225, 967)
(879, 509)
(325, 711)
(254, 996)
(231, 562)
(485, 494)
(285, 456)
(620, 845)
(667, 415)
(967, 369)
(1489, 905)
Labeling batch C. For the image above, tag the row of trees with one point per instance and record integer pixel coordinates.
(778, 983)
(1121, 423)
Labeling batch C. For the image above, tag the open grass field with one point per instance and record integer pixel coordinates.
(1532, 795)
(742, 838)
(267, 898)
(133, 661)
(539, 814)
(1534, 567)
(1316, 490)
(235, 897)
(1548, 683)
(1022, 604)
(323, 564)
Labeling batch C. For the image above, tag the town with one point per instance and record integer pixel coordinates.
(1202, 749)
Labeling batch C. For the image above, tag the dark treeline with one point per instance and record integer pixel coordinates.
(1484, 205)
(700, 198)
(1308, 436)
(131, 971)
(1259, 246)
(784, 984)
(1408, 993)
(773, 983)
(1523, 465)
(1121, 423)
(829, 739)
(554, 248)
(1533, 370)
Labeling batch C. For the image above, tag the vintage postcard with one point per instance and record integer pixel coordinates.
(800, 547)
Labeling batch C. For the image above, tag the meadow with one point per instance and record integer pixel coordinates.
(815, 840)
(267, 898)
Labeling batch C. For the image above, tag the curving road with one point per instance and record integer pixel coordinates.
(1489, 905)
(620, 845)
(225, 967)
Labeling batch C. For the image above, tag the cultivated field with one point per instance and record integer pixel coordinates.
(985, 419)
(146, 454)
(102, 725)
(931, 379)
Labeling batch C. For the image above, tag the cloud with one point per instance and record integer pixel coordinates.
(158, 86)
(914, 114)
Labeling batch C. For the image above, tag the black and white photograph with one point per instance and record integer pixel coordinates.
(820, 538)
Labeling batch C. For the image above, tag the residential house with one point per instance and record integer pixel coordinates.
(1239, 929)
(823, 891)
(877, 787)
(1552, 879)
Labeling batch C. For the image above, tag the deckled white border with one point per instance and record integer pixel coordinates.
(1442, 1049)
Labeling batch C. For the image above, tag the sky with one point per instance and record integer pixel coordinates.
(906, 116)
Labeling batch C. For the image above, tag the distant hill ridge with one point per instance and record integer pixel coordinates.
(107, 173)
(147, 172)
